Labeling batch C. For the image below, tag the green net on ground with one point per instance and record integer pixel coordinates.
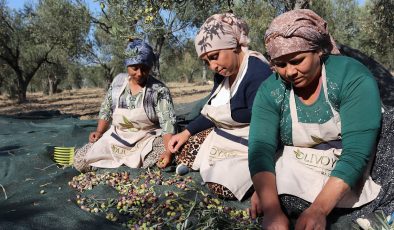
(36, 194)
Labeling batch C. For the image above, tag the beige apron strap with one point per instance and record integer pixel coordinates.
(241, 73)
(324, 82)
(141, 103)
(121, 90)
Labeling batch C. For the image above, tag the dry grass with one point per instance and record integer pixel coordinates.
(85, 103)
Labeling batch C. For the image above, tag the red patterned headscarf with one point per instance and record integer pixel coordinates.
(222, 31)
(298, 31)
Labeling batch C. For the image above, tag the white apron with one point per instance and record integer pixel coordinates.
(223, 156)
(303, 171)
(128, 141)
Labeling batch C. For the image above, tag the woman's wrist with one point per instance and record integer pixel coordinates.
(331, 194)
(320, 209)
(100, 132)
(271, 209)
(186, 133)
(102, 126)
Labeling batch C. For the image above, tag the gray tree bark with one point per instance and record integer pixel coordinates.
(53, 82)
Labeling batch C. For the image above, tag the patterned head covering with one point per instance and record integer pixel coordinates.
(139, 52)
(222, 31)
(297, 31)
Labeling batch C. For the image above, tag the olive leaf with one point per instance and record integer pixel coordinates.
(128, 125)
(298, 153)
(381, 220)
(317, 140)
(127, 121)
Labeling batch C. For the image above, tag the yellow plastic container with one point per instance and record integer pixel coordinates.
(64, 155)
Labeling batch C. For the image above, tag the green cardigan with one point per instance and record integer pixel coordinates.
(352, 91)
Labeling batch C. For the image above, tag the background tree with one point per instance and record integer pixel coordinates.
(285, 5)
(31, 37)
(377, 31)
(104, 51)
(258, 14)
(187, 67)
(342, 19)
(51, 75)
(6, 83)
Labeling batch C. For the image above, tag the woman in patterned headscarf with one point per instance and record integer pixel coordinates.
(216, 141)
(142, 114)
(325, 109)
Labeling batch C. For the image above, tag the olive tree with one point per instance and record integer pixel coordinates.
(36, 35)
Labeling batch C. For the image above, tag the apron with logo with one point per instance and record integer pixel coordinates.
(128, 141)
(303, 169)
(223, 156)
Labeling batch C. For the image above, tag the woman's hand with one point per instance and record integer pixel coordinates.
(94, 136)
(178, 140)
(255, 206)
(165, 159)
(310, 219)
(102, 126)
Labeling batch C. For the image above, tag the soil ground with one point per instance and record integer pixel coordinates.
(85, 103)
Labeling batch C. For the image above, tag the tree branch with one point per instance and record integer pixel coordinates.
(102, 25)
(4, 19)
(40, 62)
(9, 57)
(9, 62)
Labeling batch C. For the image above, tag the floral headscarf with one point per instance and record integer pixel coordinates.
(297, 31)
(222, 31)
(139, 52)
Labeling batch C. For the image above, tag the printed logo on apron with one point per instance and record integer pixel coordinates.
(302, 170)
(319, 161)
(220, 154)
(118, 150)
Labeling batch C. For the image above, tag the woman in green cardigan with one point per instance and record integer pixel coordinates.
(314, 127)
